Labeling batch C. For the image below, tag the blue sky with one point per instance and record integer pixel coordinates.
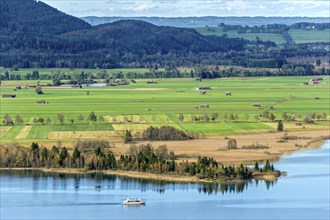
(185, 8)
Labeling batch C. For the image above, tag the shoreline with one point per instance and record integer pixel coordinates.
(305, 141)
(143, 175)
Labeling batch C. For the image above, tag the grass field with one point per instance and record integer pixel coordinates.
(298, 36)
(309, 36)
(138, 106)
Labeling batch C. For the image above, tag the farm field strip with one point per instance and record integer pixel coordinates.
(4, 130)
(74, 135)
(136, 110)
(12, 133)
(24, 132)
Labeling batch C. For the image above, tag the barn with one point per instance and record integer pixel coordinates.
(8, 95)
(204, 106)
(204, 88)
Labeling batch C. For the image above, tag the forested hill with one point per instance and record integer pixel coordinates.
(36, 16)
(142, 38)
(33, 34)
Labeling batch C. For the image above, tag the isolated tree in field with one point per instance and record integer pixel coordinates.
(206, 118)
(80, 117)
(225, 116)
(41, 120)
(101, 118)
(324, 116)
(87, 93)
(319, 116)
(92, 117)
(256, 118)
(48, 120)
(246, 117)
(8, 120)
(284, 116)
(232, 144)
(231, 117)
(297, 115)
(265, 114)
(18, 120)
(272, 116)
(236, 116)
(214, 116)
(128, 137)
(39, 90)
(71, 120)
(280, 125)
(181, 117)
(60, 118)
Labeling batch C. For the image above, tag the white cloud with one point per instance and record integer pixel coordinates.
(178, 8)
(143, 7)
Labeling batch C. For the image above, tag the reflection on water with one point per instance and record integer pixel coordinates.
(99, 181)
(302, 194)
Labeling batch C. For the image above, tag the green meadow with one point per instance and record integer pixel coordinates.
(138, 106)
(298, 36)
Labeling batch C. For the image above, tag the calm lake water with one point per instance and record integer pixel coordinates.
(302, 194)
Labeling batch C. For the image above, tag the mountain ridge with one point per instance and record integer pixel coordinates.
(49, 37)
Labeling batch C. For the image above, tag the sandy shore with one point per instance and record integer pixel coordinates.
(141, 175)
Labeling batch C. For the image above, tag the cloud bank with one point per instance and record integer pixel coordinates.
(186, 8)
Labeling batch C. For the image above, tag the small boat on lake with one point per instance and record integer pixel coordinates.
(133, 201)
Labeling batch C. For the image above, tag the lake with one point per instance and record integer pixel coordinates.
(302, 194)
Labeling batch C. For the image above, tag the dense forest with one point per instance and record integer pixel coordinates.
(143, 158)
(33, 35)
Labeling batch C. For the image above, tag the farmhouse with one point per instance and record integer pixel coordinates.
(305, 83)
(151, 82)
(77, 86)
(31, 87)
(204, 106)
(18, 87)
(204, 88)
(256, 105)
(8, 95)
(41, 102)
(228, 93)
(316, 80)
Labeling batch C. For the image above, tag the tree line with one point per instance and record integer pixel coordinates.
(142, 158)
(211, 72)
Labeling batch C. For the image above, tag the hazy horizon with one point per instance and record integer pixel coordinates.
(193, 8)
